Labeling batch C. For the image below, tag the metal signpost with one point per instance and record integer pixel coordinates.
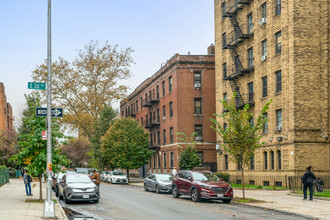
(49, 209)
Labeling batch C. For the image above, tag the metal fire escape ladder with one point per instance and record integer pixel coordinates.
(230, 9)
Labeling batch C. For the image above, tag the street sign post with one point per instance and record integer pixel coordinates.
(36, 85)
(56, 112)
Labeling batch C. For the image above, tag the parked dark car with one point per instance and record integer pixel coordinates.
(158, 183)
(201, 185)
(56, 181)
(78, 187)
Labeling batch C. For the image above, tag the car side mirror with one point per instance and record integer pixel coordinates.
(62, 181)
(190, 178)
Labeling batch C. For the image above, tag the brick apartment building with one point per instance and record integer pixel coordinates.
(6, 113)
(180, 97)
(279, 50)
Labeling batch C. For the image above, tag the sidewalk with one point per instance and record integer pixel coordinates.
(13, 206)
(282, 201)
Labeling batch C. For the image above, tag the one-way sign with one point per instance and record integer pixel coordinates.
(56, 112)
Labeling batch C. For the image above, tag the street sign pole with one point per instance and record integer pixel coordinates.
(49, 209)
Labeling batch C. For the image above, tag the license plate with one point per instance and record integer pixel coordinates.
(220, 195)
(85, 196)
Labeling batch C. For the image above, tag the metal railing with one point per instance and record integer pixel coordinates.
(232, 6)
(4, 176)
(237, 36)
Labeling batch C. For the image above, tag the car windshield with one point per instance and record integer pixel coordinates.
(164, 178)
(118, 172)
(205, 177)
(78, 179)
(81, 170)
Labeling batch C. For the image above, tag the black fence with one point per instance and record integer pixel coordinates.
(292, 182)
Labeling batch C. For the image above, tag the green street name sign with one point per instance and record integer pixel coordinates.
(36, 85)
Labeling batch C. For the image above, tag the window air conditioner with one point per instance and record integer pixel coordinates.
(263, 58)
(164, 118)
(199, 138)
(278, 128)
(197, 85)
(263, 21)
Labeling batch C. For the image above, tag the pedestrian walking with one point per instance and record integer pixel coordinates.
(174, 172)
(307, 180)
(96, 178)
(27, 181)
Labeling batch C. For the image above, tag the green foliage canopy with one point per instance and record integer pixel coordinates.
(188, 158)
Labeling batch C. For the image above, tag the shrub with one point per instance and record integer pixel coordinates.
(224, 176)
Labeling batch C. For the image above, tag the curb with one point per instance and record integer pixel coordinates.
(277, 210)
(314, 197)
(60, 207)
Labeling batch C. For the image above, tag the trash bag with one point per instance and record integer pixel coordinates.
(319, 184)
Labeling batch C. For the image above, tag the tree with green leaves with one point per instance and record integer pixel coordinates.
(125, 145)
(240, 138)
(102, 124)
(188, 158)
(32, 149)
(77, 151)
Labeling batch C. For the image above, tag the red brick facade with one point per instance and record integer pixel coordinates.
(6, 113)
(193, 78)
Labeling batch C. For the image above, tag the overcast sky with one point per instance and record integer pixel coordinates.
(155, 29)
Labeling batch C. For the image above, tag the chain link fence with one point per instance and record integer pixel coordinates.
(4, 176)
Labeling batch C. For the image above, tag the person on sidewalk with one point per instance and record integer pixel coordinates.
(96, 178)
(174, 172)
(307, 180)
(27, 181)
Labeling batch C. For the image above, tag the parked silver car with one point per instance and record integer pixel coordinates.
(117, 176)
(103, 176)
(158, 183)
(78, 187)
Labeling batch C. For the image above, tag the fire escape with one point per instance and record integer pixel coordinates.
(231, 41)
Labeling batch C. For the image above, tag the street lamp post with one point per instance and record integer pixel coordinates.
(49, 209)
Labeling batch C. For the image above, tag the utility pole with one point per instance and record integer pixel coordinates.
(49, 209)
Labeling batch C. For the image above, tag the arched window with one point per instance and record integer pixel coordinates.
(279, 160)
(265, 160)
(252, 163)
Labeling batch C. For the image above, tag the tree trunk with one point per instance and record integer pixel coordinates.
(40, 188)
(127, 171)
(243, 182)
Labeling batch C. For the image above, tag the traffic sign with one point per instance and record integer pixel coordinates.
(36, 85)
(44, 135)
(56, 112)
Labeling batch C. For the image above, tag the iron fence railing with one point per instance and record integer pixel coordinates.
(4, 176)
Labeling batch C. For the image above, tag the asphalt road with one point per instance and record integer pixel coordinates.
(132, 202)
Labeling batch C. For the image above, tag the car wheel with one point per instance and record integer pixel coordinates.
(145, 187)
(175, 193)
(226, 200)
(157, 189)
(60, 196)
(66, 199)
(96, 201)
(195, 195)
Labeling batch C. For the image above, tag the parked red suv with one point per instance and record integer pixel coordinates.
(201, 185)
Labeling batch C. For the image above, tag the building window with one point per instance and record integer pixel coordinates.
(198, 106)
(264, 86)
(171, 159)
(278, 42)
(200, 154)
(250, 87)
(171, 135)
(158, 161)
(239, 166)
(141, 103)
(224, 126)
(224, 40)
(142, 121)
(265, 128)
(163, 84)
(164, 112)
(252, 162)
(199, 131)
(279, 160)
(277, 7)
(157, 92)
(122, 113)
(279, 119)
(158, 115)
(264, 10)
(224, 70)
(223, 9)
(170, 84)
(158, 138)
(250, 58)
(197, 79)
(155, 155)
(272, 160)
(264, 50)
(226, 162)
(137, 105)
(171, 109)
(251, 121)
(164, 136)
(265, 160)
(164, 160)
(250, 23)
(278, 81)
